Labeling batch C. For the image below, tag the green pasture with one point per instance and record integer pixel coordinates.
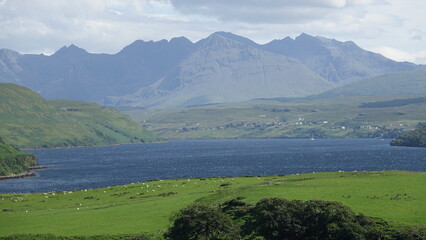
(355, 117)
(396, 196)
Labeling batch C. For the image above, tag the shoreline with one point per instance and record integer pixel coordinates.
(72, 147)
(19, 175)
(22, 175)
(36, 168)
(349, 173)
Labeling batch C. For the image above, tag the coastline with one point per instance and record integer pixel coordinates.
(71, 147)
(36, 168)
(19, 175)
(22, 175)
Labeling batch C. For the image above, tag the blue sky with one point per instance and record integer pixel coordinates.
(394, 28)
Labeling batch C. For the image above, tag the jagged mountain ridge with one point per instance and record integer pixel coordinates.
(220, 68)
(224, 70)
(73, 73)
(339, 62)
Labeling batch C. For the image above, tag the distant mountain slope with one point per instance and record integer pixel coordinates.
(14, 162)
(339, 62)
(224, 70)
(224, 67)
(73, 73)
(28, 120)
(401, 83)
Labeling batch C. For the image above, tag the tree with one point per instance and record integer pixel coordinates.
(410, 233)
(416, 138)
(200, 222)
(330, 220)
(280, 219)
(275, 219)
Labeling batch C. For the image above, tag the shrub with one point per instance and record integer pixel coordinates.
(200, 222)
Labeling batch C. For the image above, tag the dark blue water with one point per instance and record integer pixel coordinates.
(81, 168)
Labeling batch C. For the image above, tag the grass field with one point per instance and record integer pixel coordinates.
(359, 116)
(395, 196)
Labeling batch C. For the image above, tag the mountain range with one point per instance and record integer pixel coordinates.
(221, 68)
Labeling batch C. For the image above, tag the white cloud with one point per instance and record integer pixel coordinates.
(400, 55)
(97, 25)
(118, 13)
(271, 11)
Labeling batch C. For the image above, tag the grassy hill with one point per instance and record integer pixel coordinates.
(396, 196)
(13, 162)
(400, 83)
(358, 116)
(28, 120)
(416, 138)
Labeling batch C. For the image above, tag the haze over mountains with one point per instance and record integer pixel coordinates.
(395, 84)
(221, 68)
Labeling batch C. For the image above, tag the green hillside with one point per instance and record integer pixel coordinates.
(416, 138)
(28, 120)
(354, 117)
(13, 162)
(400, 83)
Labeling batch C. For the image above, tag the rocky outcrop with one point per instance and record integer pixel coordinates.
(16, 164)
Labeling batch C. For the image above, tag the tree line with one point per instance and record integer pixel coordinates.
(281, 219)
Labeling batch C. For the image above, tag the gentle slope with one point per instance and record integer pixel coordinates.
(28, 120)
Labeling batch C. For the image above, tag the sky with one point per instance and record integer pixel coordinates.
(394, 28)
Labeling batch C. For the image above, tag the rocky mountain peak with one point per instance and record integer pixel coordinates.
(9, 55)
(71, 50)
(180, 41)
(221, 41)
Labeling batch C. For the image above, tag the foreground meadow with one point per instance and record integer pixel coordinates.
(396, 196)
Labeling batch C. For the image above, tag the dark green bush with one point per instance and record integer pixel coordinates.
(200, 222)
